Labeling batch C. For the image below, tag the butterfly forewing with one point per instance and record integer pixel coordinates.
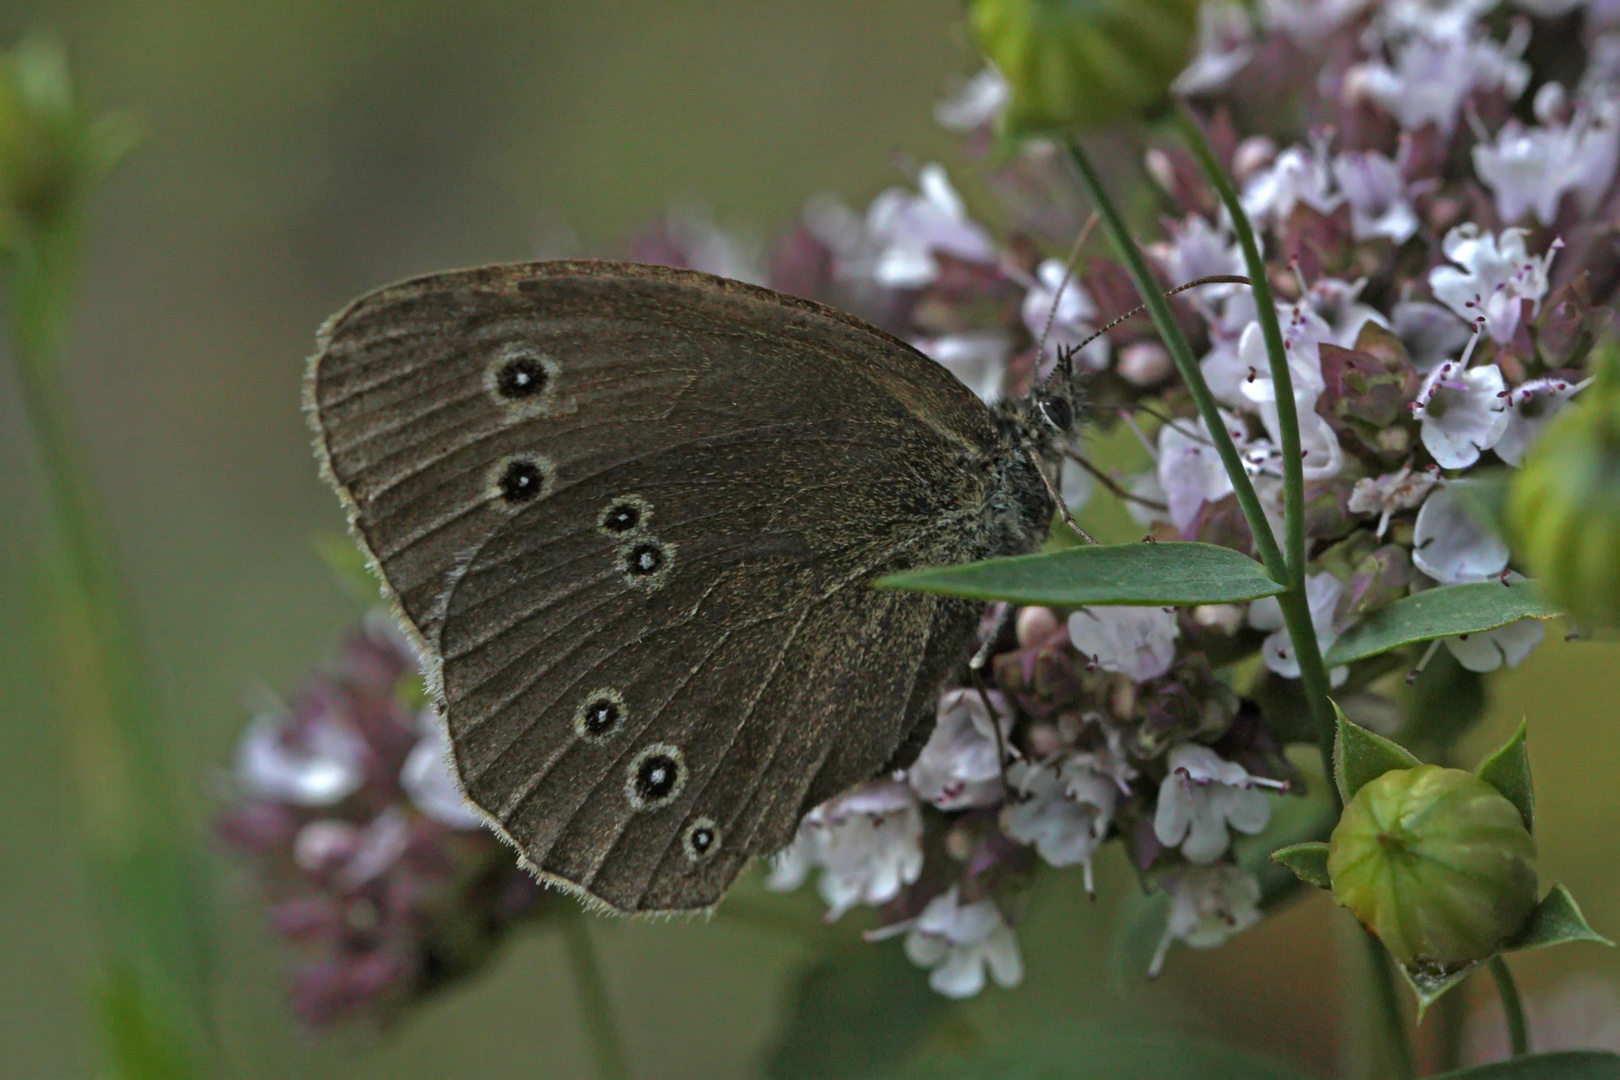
(633, 515)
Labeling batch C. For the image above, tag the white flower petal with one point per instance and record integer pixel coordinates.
(428, 781)
(1449, 546)
(1135, 641)
(1490, 649)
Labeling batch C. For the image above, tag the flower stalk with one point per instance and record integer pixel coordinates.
(1301, 630)
(1186, 364)
(1512, 1007)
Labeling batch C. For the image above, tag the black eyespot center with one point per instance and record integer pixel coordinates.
(622, 517)
(521, 480)
(701, 839)
(521, 377)
(645, 558)
(601, 716)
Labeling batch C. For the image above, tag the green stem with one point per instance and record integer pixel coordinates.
(1451, 1020)
(1296, 610)
(1398, 1051)
(594, 1005)
(1276, 354)
(1176, 341)
(1512, 1007)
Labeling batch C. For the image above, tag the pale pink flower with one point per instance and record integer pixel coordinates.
(1493, 278)
(1208, 906)
(960, 942)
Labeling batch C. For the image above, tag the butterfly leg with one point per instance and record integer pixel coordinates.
(981, 656)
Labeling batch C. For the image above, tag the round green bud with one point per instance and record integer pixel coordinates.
(1437, 863)
(1563, 506)
(1076, 62)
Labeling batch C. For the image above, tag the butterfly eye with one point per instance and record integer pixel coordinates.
(1058, 412)
(701, 839)
(655, 778)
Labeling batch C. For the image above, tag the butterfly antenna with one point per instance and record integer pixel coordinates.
(1068, 274)
(1213, 279)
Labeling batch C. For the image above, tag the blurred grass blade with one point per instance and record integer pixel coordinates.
(147, 887)
(1447, 611)
(1157, 574)
(135, 1026)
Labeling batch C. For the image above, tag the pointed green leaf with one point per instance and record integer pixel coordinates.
(1137, 574)
(1436, 613)
(1360, 756)
(1307, 861)
(1508, 771)
(1557, 919)
(1564, 1065)
(1430, 988)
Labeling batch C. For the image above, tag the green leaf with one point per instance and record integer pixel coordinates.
(1360, 756)
(1430, 988)
(1307, 861)
(1447, 611)
(1565, 1065)
(1144, 574)
(855, 1012)
(1104, 1052)
(1508, 771)
(1557, 919)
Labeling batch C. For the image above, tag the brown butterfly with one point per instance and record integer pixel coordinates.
(631, 516)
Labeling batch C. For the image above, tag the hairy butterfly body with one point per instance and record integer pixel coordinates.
(631, 516)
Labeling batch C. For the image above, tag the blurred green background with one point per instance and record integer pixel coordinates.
(299, 152)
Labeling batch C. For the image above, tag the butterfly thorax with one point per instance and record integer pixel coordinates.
(1018, 506)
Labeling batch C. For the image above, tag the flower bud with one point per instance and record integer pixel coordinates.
(1091, 63)
(1437, 863)
(1563, 506)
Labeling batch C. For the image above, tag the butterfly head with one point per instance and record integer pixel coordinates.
(1059, 399)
